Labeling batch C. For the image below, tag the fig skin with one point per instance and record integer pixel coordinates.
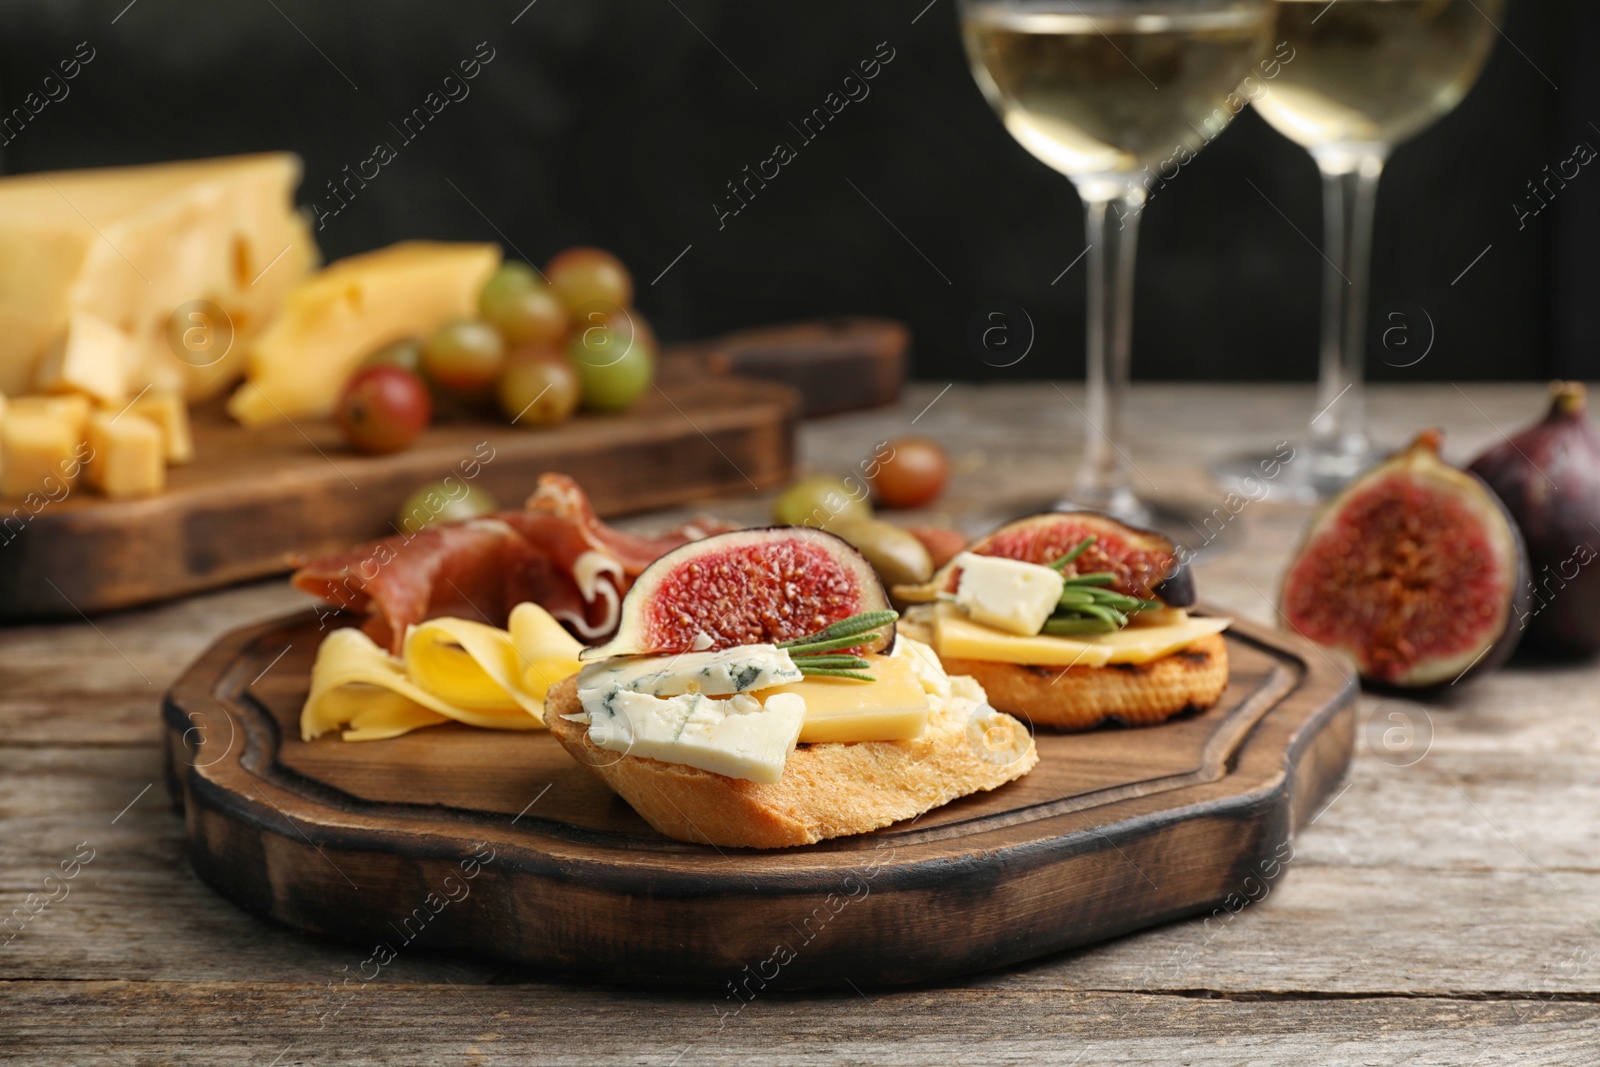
(1548, 477)
(1420, 462)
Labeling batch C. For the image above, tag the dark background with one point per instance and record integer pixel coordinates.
(618, 123)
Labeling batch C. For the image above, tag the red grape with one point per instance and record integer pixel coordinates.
(913, 473)
(383, 409)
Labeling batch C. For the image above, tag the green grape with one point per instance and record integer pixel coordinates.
(538, 387)
(519, 304)
(464, 355)
(405, 353)
(615, 367)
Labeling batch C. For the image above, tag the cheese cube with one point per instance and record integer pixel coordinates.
(73, 408)
(93, 358)
(39, 453)
(171, 414)
(127, 457)
(338, 315)
(1007, 594)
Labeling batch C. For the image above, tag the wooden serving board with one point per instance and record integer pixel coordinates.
(1114, 830)
(721, 421)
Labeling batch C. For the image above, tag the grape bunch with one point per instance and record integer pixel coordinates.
(542, 345)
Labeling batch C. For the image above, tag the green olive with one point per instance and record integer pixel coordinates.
(820, 501)
(451, 500)
(899, 558)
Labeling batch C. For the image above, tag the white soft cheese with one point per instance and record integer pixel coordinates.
(741, 669)
(666, 708)
(1007, 594)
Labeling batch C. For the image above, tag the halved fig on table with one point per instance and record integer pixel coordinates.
(1147, 565)
(1415, 570)
(748, 587)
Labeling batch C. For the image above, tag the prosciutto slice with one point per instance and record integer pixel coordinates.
(555, 552)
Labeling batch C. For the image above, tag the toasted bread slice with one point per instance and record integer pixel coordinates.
(1078, 698)
(827, 790)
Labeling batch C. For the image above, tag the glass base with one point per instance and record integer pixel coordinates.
(1313, 473)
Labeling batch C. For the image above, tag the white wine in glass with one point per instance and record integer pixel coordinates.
(1364, 75)
(1106, 92)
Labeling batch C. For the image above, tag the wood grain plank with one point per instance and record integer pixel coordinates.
(137, 910)
(89, 1024)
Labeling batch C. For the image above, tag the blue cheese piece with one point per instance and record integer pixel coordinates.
(667, 708)
(740, 737)
(727, 672)
(1007, 594)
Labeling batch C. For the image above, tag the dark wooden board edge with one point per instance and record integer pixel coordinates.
(840, 364)
(119, 554)
(929, 910)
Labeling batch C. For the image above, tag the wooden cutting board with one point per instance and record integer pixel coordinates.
(251, 499)
(498, 844)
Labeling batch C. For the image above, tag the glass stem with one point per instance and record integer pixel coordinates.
(1349, 195)
(1111, 225)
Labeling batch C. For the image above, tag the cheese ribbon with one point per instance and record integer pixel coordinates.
(451, 669)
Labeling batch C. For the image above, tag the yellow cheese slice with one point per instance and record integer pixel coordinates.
(959, 637)
(130, 245)
(452, 669)
(546, 653)
(893, 708)
(340, 314)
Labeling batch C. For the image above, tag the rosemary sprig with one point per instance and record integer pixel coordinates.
(810, 653)
(1088, 607)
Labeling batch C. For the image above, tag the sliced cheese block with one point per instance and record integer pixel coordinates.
(893, 708)
(129, 245)
(340, 314)
(40, 452)
(94, 358)
(127, 458)
(168, 411)
(959, 637)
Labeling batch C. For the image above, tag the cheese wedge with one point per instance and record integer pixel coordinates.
(959, 637)
(893, 708)
(128, 245)
(340, 314)
(126, 455)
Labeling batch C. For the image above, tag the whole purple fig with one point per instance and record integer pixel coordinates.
(1548, 476)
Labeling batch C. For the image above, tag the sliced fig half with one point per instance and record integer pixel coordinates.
(1146, 563)
(1415, 570)
(744, 588)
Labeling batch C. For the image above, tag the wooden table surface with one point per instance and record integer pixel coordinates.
(1442, 908)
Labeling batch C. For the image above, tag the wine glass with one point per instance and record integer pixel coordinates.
(1361, 77)
(1116, 95)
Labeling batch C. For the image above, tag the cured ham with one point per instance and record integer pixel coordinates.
(555, 552)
